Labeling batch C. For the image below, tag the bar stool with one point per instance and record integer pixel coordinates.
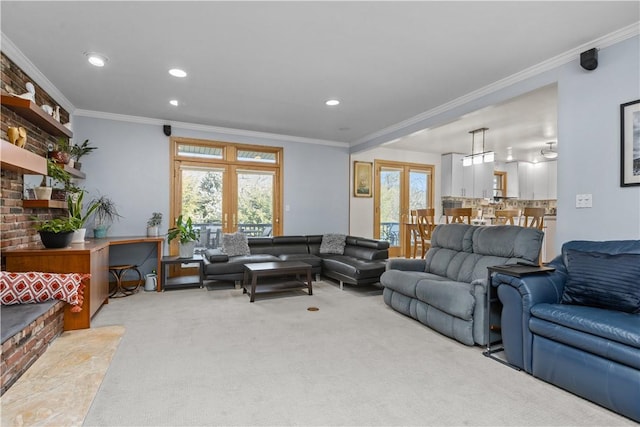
(118, 272)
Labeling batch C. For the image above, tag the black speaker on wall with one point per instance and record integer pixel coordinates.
(589, 59)
(167, 130)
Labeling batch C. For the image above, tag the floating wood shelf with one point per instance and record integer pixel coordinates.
(36, 115)
(75, 172)
(21, 160)
(53, 204)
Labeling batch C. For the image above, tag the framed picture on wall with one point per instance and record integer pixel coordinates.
(630, 143)
(362, 179)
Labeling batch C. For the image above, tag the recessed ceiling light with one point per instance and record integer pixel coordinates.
(174, 102)
(96, 59)
(332, 102)
(177, 72)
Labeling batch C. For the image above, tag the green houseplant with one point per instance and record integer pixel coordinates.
(75, 208)
(187, 236)
(153, 223)
(105, 214)
(79, 151)
(57, 173)
(57, 232)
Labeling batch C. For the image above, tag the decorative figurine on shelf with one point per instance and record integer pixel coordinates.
(30, 94)
(17, 136)
(47, 109)
(56, 113)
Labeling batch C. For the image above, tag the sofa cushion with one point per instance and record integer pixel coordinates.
(610, 281)
(454, 298)
(456, 237)
(235, 244)
(236, 264)
(612, 325)
(508, 241)
(353, 267)
(333, 244)
(404, 281)
(312, 260)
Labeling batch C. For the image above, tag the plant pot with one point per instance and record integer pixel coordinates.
(187, 249)
(78, 235)
(152, 231)
(58, 194)
(52, 240)
(100, 232)
(43, 193)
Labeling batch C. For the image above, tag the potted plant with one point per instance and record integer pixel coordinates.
(105, 214)
(57, 174)
(188, 236)
(61, 152)
(58, 232)
(78, 151)
(153, 223)
(74, 206)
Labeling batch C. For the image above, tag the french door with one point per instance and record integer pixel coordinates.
(225, 188)
(401, 187)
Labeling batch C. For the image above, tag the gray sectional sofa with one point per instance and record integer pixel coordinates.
(362, 262)
(447, 290)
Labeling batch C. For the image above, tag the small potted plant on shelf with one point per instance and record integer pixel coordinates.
(105, 214)
(187, 236)
(57, 232)
(57, 174)
(61, 151)
(153, 223)
(79, 151)
(75, 208)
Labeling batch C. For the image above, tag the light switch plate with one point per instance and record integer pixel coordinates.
(584, 200)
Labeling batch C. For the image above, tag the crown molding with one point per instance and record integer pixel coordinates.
(231, 132)
(29, 68)
(550, 64)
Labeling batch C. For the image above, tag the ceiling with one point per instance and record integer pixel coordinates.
(270, 66)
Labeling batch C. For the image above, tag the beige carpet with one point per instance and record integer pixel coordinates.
(194, 357)
(59, 387)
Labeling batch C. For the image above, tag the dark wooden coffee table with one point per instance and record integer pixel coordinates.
(253, 271)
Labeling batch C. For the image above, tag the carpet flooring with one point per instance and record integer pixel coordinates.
(209, 357)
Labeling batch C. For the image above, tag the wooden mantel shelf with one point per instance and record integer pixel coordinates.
(18, 159)
(36, 115)
(51, 204)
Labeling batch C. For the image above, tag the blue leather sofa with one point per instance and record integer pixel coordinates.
(590, 348)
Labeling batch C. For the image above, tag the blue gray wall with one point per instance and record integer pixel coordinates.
(132, 166)
(589, 146)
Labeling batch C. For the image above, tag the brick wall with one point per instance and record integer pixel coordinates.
(16, 223)
(24, 348)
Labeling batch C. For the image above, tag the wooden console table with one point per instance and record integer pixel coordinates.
(90, 257)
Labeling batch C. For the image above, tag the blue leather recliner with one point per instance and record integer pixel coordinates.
(591, 351)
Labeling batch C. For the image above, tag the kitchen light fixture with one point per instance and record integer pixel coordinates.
(509, 154)
(332, 102)
(96, 59)
(477, 158)
(549, 153)
(174, 102)
(177, 72)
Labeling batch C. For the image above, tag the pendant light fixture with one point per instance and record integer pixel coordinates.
(477, 158)
(549, 153)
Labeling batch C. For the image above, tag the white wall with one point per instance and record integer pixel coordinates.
(589, 146)
(361, 212)
(131, 165)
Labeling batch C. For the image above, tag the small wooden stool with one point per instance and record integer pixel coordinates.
(118, 272)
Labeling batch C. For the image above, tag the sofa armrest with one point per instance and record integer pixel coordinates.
(518, 295)
(215, 255)
(406, 264)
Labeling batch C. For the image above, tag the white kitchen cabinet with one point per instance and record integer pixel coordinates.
(548, 250)
(475, 181)
(525, 180)
(545, 180)
(482, 180)
(513, 187)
